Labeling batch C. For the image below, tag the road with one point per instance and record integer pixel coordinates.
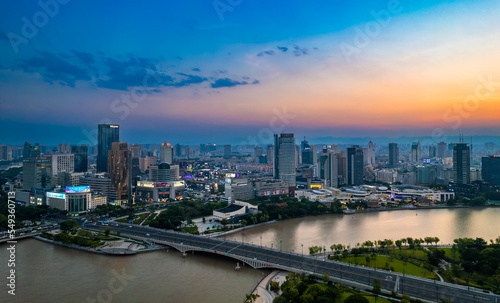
(425, 289)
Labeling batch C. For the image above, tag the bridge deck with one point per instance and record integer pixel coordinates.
(259, 257)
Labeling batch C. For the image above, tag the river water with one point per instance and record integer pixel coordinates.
(446, 224)
(50, 273)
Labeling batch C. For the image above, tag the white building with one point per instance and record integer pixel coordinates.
(63, 163)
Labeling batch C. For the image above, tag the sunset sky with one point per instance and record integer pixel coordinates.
(226, 71)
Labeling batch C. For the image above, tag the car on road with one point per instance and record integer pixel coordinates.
(148, 235)
(130, 226)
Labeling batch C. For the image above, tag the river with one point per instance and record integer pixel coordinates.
(50, 273)
(446, 224)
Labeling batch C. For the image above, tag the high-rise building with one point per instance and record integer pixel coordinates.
(177, 150)
(108, 133)
(461, 163)
(120, 170)
(491, 169)
(37, 173)
(334, 169)
(163, 172)
(432, 151)
(284, 158)
(307, 153)
(63, 148)
(187, 151)
(166, 153)
(369, 154)
(393, 155)
(416, 152)
(63, 163)
(441, 149)
(31, 151)
(4, 152)
(354, 159)
(227, 150)
(258, 151)
(270, 154)
(80, 153)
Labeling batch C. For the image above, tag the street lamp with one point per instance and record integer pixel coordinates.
(280, 245)
(302, 249)
(261, 241)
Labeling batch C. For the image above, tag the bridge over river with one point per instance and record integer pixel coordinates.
(263, 257)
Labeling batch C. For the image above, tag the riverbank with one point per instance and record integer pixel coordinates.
(263, 288)
(124, 247)
(371, 210)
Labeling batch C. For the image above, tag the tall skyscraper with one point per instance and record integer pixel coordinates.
(187, 151)
(284, 158)
(432, 151)
(354, 159)
(461, 163)
(108, 133)
(3, 152)
(270, 154)
(393, 155)
(307, 153)
(491, 169)
(334, 169)
(177, 150)
(63, 148)
(166, 153)
(37, 173)
(416, 152)
(369, 154)
(120, 170)
(80, 153)
(441, 149)
(62, 163)
(258, 151)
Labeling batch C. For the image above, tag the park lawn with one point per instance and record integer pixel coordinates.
(416, 254)
(397, 265)
(449, 253)
(140, 218)
(371, 298)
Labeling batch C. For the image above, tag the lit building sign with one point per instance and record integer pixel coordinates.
(162, 185)
(146, 184)
(77, 189)
(228, 175)
(56, 195)
(114, 126)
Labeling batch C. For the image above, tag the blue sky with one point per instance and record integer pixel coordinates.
(218, 71)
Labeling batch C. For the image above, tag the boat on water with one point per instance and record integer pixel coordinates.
(237, 266)
(184, 254)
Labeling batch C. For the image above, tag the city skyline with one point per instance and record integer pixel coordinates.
(228, 73)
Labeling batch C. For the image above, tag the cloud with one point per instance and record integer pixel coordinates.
(297, 51)
(133, 72)
(284, 49)
(226, 82)
(268, 52)
(54, 68)
(86, 58)
(195, 69)
(190, 79)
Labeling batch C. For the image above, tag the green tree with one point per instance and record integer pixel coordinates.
(377, 288)
(326, 278)
(69, 225)
(250, 298)
(107, 231)
(356, 298)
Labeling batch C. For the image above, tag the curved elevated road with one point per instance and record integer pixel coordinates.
(260, 257)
